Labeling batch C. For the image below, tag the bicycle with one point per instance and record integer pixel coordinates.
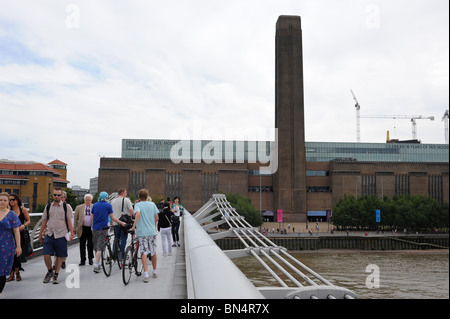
(131, 261)
(109, 257)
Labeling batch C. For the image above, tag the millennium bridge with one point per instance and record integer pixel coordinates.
(198, 269)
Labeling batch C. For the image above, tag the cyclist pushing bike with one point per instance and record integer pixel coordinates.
(101, 211)
(146, 218)
(123, 210)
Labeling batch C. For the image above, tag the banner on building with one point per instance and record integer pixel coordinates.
(279, 215)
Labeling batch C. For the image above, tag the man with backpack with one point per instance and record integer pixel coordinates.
(123, 210)
(57, 229)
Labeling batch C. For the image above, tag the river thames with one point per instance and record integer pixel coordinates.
(407, 274)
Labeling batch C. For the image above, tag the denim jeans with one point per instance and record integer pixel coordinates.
(175, 235)
(122, 235)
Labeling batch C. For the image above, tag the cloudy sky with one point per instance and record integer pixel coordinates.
(76, 77)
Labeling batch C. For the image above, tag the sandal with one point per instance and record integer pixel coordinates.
(18, 277)
(11, 277)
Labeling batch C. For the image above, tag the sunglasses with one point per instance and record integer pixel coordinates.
(12, 199)
(57, 195)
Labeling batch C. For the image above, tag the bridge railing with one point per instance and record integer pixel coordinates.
(34, 232)
(308, 283)
(210, 273)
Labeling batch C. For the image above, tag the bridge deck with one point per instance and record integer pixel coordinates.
(170, 282)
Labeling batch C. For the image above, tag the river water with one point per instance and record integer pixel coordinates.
(412, 274)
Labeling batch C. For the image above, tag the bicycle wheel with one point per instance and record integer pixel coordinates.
(128, 265)
(106, 259)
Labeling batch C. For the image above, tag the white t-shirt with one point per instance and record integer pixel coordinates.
(177, 209)
(117, 206)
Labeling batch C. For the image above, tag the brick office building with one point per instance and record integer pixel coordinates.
(309, 177)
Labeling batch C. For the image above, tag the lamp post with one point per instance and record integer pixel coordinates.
(260, 200)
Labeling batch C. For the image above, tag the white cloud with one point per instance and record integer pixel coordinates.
(138, 69)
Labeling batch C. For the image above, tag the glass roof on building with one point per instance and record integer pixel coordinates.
(240, 151)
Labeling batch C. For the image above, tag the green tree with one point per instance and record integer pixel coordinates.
(369, 205)
(245, 208)
(40, 208)
(443, 218)
(415, 213)
(346, 212)
(72, 198)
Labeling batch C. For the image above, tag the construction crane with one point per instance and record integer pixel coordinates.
(445, 120)
(413, 119)
(357, 108)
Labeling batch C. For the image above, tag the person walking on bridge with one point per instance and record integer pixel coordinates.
(165, 227)
(9, 238)
(56, 224)
(145, 224)
(101, 211)
(177, 210)
(83, 229)
(121, 206)
(15, 203)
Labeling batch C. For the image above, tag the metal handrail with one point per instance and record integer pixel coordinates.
(204, 256)
(257, 244)
(36, 229)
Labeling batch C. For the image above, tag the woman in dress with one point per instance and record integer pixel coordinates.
(16, 206)
(9, 238)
